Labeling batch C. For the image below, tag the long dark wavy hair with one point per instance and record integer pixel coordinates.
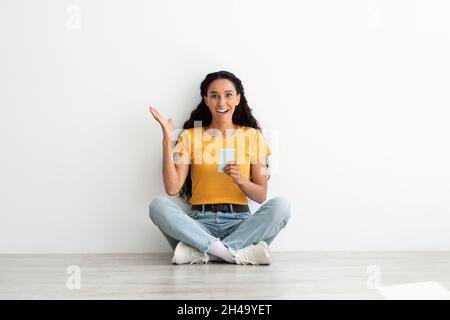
(242, 116)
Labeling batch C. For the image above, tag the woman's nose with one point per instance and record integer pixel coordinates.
(221, 102)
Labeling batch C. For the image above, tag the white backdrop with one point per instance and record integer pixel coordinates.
(352, 96)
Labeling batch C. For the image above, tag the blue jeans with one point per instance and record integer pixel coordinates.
(237, 230)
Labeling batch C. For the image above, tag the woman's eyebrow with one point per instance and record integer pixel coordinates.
(224, 91)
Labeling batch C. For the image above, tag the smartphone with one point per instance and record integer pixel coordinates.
(225, 156)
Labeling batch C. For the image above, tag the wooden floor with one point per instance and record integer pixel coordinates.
(295, 275)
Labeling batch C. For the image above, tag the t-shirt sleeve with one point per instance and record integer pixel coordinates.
(259, 147)
(183, 146)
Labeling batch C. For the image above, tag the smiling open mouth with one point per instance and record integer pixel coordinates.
(223, 111)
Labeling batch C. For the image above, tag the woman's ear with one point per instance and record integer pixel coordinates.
(238, 97)
(204, 97)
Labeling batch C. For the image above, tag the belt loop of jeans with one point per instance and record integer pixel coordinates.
(203, 208)
(231, 208)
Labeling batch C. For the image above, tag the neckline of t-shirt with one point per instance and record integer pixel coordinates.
(238, 130)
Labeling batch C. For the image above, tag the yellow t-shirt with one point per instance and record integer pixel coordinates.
(202, 149)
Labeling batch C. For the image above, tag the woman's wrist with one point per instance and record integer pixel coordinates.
(242, 181)
(167, 139)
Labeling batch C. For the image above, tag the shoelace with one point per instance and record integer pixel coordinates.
(200, 258)
(245, 256)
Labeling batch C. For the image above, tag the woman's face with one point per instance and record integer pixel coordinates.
(222, 99)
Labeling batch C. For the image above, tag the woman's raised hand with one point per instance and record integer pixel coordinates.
(166, 124)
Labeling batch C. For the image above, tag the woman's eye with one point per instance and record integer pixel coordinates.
(229, 94)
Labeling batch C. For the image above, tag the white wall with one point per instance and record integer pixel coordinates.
(353, 94)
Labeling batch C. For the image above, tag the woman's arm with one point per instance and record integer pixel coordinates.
(256, 189)
(173, 175)
(170, 174)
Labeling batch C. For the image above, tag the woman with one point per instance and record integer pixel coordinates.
(219, 225)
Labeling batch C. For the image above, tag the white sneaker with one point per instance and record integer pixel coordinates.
(254, 254)
(185, 254)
